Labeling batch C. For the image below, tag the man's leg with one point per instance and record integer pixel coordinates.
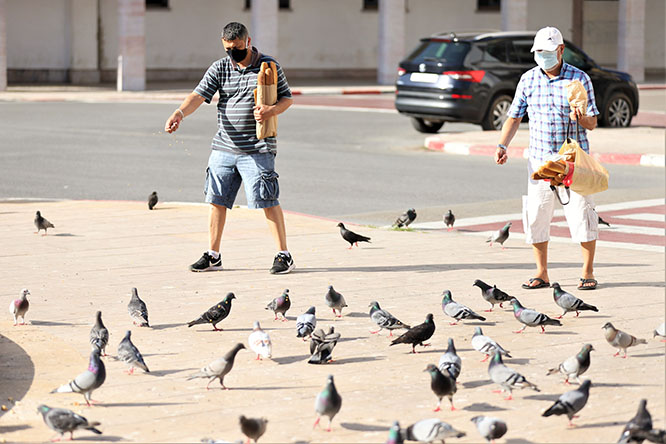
(216, 219)
(588, 249)
(275, 219)
(541, 258)
(538, 209)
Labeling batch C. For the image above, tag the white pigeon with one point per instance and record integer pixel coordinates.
(19, 307)
(430, 430)
(486, 345)
(660, 331)
(260, 342)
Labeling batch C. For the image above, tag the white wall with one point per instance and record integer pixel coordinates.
(600, 28)
(542, 13)
(655, 45)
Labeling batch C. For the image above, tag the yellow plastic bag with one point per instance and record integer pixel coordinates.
(589, 176)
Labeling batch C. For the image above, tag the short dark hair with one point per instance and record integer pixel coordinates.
(233, 31)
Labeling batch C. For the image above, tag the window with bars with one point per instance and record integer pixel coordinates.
(282, 4)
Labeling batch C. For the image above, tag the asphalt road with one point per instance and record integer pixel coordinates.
(364, 167)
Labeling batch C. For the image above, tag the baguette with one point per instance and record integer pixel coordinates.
(255, 96)
(560, 167)
(269, 76)
(275, 74)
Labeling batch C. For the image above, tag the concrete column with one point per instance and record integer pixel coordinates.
(264, 27)
(131, 45)
(631, 38)
(391, 40)
(83, 64)
(3, 45)
(514, 15)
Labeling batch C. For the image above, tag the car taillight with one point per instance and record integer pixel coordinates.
(401, 71)
(467, 76)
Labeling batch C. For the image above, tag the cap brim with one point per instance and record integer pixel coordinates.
(549, 47)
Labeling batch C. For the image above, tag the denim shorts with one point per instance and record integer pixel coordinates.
(227, 170)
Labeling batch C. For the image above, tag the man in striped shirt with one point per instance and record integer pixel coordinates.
(237, 155)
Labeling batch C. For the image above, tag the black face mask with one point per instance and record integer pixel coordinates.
(238, 55)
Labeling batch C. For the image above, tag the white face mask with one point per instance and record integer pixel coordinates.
(546, 59)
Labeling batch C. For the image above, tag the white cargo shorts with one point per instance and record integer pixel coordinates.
(539, 206)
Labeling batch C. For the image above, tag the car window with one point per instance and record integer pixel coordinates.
(451, 52)
(497, 52)
(521, 51)
(576, 58)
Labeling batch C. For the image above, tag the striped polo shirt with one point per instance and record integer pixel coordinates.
(235, 118)
(547, 105)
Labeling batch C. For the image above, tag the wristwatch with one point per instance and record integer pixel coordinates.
(499, 145)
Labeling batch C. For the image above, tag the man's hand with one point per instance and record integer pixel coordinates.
(263, 112)
(173, 122)
(575, 114)
(501, 156)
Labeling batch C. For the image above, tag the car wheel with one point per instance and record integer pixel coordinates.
(497, 113)
(617, 112)
(426, 126)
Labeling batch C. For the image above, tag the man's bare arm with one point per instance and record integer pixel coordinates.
(508, 131)
(189, 105)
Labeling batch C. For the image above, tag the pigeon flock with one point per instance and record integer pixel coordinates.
(328, 403)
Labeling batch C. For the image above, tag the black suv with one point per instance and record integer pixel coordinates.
(472, 77)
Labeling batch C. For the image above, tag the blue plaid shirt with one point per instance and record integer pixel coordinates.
(546, 103)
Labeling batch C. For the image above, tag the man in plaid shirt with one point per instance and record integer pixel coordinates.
(542, 93)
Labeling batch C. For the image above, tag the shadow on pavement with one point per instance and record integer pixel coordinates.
(290, 359)
(483, 407)
(17, 370)
(660, 284)
(13, 428)
(98, 438)
(360, 359)
(363, 427)
(475, 384)
(55, 324)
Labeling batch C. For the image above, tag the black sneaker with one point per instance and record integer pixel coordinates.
(282, 264)
(207, 263)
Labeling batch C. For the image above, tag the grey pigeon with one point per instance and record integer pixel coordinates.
(660, 331)
(88, 381)
(395, 436)
(405, 218)
(492, 295)
(571, 402)
(569, 302)
(450, 362)
(130, 355)
(490, 428)
(351, 237)
(215, 314)
(152, 200)
(500, 236)
(280, 305)
(431, 430)
(63, 421)
(486, 345)
(531, 318)
(417, 334)
(99, 335)
(384, 319)
(449, 220)
(442, 384)
(638, 425)
(253, 428)
(137, 310)
(219, 368)
(41, 223)
(328, 403)
(456, 310)
(574, 366)
(19, 307)
(506, 377)
(306, 323)
(322, 345)
(620, 339)
(335, 301)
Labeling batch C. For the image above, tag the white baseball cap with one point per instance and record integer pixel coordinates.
(547, 39)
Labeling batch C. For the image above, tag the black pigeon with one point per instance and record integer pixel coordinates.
(601, 221)
(280, 305)
(417, 334)
(63, 420)
(253, 428)
(492, 295)
(405, 218)
(328, 403)
(322, 345)
(351, 237)
(442, 385)
(449, 220)
(137, 310)
(640, 423)
(569, 302)
(41, 223)
(152, 200)
(216, 313)
(571, 402)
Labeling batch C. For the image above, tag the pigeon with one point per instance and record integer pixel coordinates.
(215, 314)
(531, 318)
(152, 200)
(485, 345)
(569, 302)
(500, 236)
(450, 362)
(322, 345)
(41, 223)
(449, 220)
(219, 368)
(63, 420)
(99, 335)
(328, 403)
(660, 331)
(490, 428)
(88, 381)
(260, 342)
(601, 221)
(574, 366)
(507, 378)
(431, 430)
(405, 218)
(19, 307)
(137, 310)
(492, 295)
(641, 422)
(417, 334)
(280, 305)
(384, 319)
(571, 402)
(306, 323)
(619, 339)
(456, 310)
(335, 301)
(351, 237)
(395, 437)
(442, 384)
(253, 428)
(128, 353)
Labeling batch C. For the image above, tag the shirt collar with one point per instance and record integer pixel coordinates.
(563, 71)
(254, 59)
